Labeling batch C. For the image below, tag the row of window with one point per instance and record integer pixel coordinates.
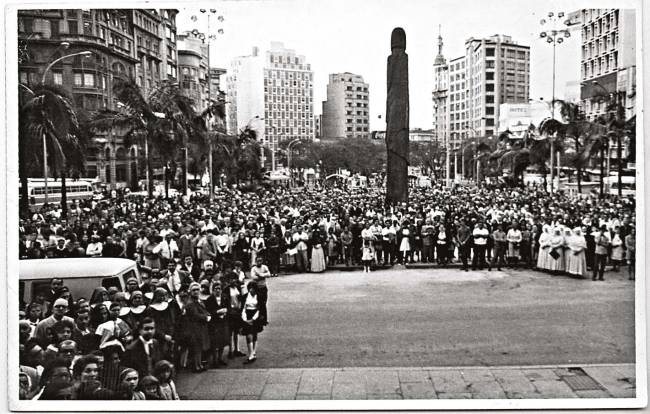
(603, 45)
(57, 190)
(287, 130)
(286, 74)
(284, 59)
(600, 66)
(359, 89)
(299, 109)
(359, 129)
(294, 67)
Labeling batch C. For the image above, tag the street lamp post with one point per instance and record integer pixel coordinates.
(210, 144)
(45, 170)
(554, 36)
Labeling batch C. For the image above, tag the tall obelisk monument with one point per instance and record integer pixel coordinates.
(397, 119)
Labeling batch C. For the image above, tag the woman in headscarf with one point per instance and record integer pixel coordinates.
(100, 295)
(163, 314)
(197, 326)
(289, 247)
(273, 252)
(617, 249)
(217, 306)
(514, 238)
(133, 314)
(317, 252)
(98, 315)
(556, 253)
(544, 248)
(576, 259)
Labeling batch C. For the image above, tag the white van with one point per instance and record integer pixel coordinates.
(81, 275)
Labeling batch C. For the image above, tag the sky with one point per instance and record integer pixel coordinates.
(354, 36)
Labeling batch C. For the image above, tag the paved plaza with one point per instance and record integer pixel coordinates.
(593, 381)
(436, 333)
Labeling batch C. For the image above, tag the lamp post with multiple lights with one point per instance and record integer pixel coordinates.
(210, 36)
(554, 36)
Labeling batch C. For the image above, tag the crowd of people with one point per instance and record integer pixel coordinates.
(204, 266)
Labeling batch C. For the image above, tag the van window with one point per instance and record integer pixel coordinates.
(126, 276)
(111, 281)
(39, 286)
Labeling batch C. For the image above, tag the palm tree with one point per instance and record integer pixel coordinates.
(209, 132)
(589, 138)
(48, 115)
(142, 119)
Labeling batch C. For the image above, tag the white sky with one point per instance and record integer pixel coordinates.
(354, 36)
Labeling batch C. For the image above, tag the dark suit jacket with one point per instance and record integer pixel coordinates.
(136, 358)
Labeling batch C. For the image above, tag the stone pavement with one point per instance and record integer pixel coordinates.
(394, 383)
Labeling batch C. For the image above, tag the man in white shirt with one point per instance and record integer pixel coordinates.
(94, 248)
(480, 235)
(168, 248)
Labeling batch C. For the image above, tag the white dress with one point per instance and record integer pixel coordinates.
(543, 257)
(617, 248)
(576, 261)
(404, 245)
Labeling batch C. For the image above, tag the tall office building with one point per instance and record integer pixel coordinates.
(135, 43)
(498, 71)
(272, 93)
(492, 71)
(608, 59)
(345, 112)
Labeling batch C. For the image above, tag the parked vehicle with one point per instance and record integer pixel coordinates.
(81, 275)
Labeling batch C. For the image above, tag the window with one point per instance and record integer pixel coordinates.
(78, 80)
(72, 27)
(89, 79)
(489, 51)
(58, 78)
(23, 77)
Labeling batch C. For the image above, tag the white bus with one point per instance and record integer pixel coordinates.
(628, 185)
(76, 190)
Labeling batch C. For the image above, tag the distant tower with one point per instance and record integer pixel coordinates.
(439, 94)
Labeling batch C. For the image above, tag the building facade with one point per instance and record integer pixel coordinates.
(491, 72)
(608, 59)
(193, 68)
(122, 42)
(272, 93)
(346, 112)
(498, 71)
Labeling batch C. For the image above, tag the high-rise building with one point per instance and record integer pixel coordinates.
(154, 35)
(608, 59)
(492, 71)
(498, 71)
(345, 112)
(135, 43)
(272, 93)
